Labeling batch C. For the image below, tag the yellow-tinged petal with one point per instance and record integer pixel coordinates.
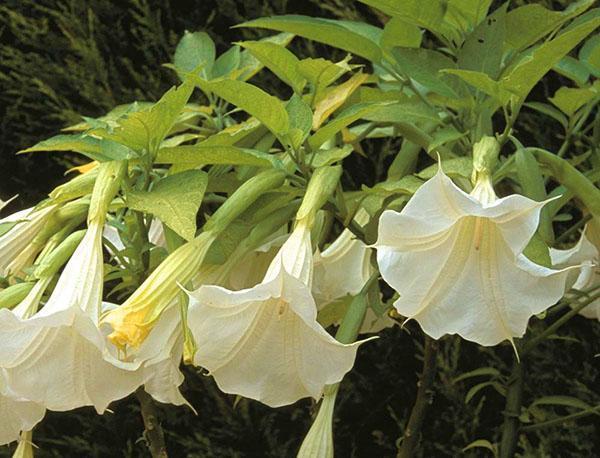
(132, 322)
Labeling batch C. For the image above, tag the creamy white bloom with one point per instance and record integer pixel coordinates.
(588, 255)
(56, 356)
(456, 260)
(157, 360)
(264, 342)
(16, 249)
(16, 414)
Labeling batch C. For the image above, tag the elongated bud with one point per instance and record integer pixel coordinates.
(318, 443)
(485, 158)
(241, 199)
(14, 294)
(321, 186)
(52, 262)
(106, 187)
(79, 186)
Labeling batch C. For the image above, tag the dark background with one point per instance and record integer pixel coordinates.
(62, 59)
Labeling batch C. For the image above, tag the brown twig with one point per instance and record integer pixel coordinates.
(424, 396)
(153, 434)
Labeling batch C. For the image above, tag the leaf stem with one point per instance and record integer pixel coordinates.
(424, 397)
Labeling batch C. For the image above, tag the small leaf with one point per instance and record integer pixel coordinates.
(195, 49)
(482, 443)
(335, 98)
(300, 116)
(325, 157)
(456, 167)
(476, 389)
(423, 65)
(549, 110)
(174, 200)
(279, 60)
(345, 118)
(569, 100)
(227, 63)
(589, 55)
(487, 371)
(573, 69)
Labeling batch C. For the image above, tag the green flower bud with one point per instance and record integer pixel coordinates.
(14, 294)
(106, 187)
(52, 262)
(79, 186)
(322, 184)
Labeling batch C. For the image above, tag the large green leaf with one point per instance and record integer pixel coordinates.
(423, 65)
(279, 60)
(267, 109)
(398, 32)
(227, 62)
(145, 130)
(482, 50)
(196, 155)
(524, 76)
(529, 23)
(174, 200)
(427, 14)
(300, 116)
(195, 49)
(94, 148)
(324, 31)
(250, 65)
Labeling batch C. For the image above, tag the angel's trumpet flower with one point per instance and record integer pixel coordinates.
(456, 259)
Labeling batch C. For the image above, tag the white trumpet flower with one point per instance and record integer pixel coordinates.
(16, 249)
(16, 414)
(456, 260)
(264, 342)
(588, 255)
(56, 356)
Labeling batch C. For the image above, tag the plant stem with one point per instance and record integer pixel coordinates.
(514, 399)
(424, 398)
(154, 434)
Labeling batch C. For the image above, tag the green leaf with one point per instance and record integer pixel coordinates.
(528, 24)
(398, 32)
(300, 116)
(443, 136)
(482, 371)
(524, 76)
(406, 185)
(227, 63)
(569, 100)
(195, 49)
(482, 82)
(456, 167)
(566, 401)
(549, 110)
(423, 65)
(466, 14)
(429, 14)
(196, 155)
(344, 119)
(145, 130)
(476, 389)
(482, 443)
(250, 65)
(174, 200)
(537, 251)
(267, 109)
(96, 149)
(573, 69)
(589, 55)
(402, 112)
(330, 156)
(279, 60)
(482, 50)
(323, 31)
